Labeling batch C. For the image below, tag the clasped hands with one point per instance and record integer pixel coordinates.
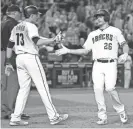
(59, 37)
(63, 50)
(8, 69)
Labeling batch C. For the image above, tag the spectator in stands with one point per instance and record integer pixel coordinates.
(20, 3)
(64, 21)
(4, 5)
(107, 4)
(115, 10)
(63, 16)
(72, 33)
(118, 21)
(129, 5)
(71, 14)
(81, 13)
(49, 14)
(56, 18)
(43, 28)
(82, 33)
(99, 5)
(89, 9)
(128, 34)
(130, 21)
(90, 25)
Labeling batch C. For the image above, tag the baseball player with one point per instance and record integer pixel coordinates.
(104, 43)
(26, 40)
(127, 72)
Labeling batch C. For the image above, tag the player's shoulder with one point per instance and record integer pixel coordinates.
(115, 29)
(29, 24)
(93, 32)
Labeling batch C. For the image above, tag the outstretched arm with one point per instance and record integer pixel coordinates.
(79, 51)
(87, 47)
(39, 41)
(65, 50)
(48, 48)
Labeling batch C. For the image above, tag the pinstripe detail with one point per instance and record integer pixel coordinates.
(44, 86)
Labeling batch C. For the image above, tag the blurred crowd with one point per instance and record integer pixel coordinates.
(75, 19)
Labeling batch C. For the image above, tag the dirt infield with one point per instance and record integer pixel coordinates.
(79, 103)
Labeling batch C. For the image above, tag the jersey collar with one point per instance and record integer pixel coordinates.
(104, 28)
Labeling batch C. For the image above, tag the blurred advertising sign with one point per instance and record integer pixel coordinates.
(67, 77)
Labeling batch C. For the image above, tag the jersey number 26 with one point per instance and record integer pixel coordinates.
(20, 39)
(108, 46)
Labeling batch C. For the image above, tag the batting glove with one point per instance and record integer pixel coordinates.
(59, 37)
(8, 69)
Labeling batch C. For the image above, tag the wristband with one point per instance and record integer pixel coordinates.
(8, 61)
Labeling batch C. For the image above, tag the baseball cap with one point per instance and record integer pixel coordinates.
(13, 8)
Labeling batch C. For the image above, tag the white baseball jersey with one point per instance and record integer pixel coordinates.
(105, 43)
(29, 68)
(22, 35)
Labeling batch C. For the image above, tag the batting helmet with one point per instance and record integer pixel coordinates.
(103, 12)
(28, 10)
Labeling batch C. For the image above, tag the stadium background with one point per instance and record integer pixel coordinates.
(75, 19)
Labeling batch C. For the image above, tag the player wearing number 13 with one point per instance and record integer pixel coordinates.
(104, 43)
(26, 40)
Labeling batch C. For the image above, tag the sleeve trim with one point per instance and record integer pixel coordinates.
(11, 44)
(123, 43)
(35, 39)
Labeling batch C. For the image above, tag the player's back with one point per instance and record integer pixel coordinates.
(22, 36)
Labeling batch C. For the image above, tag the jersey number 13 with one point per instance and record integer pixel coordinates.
(20, 39)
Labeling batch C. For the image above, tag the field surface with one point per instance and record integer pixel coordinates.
(80, 104)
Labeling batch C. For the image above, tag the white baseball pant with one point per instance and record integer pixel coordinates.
(106, 74)
(30, 68)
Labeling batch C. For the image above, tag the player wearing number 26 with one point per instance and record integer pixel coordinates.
(104, 43)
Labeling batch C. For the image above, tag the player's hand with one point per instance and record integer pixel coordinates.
(122, 58)
(59, 37)
(8, 69)
(62, 51)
